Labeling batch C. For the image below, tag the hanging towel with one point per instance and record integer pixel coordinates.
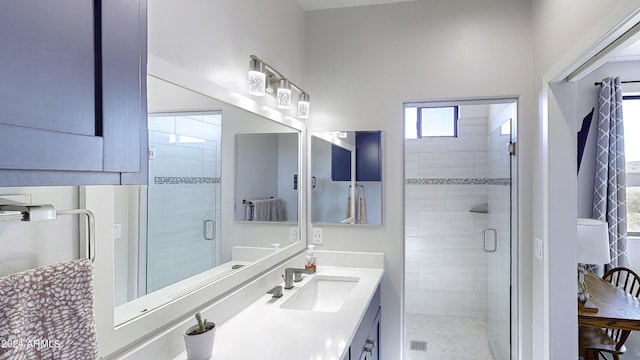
(249, 211)
(347, 214)
(47, 313)
(268, 210)
(362, 210)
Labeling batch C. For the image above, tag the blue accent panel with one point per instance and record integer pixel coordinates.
(368, 156)
(583, 134)
(340, 164)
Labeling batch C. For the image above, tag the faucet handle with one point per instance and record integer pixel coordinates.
(276, 291)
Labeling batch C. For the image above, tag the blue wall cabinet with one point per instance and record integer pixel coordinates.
(73, 92)
(368, 158)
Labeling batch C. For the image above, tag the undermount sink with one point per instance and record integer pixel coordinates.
(322, 293)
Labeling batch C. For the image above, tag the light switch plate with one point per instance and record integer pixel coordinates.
(318, 236)
(293, 234)
(539, 247)
(117, 231)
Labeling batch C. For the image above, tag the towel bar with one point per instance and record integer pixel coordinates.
(24, 212)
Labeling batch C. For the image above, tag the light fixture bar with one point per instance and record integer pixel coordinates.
(274, 80)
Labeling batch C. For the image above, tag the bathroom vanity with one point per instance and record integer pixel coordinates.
(303, 323)
(270, 329)
(332, 314)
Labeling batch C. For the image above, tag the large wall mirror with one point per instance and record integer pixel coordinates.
(187, 229)
(346, 177)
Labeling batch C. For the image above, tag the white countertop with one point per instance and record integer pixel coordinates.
(265, 331)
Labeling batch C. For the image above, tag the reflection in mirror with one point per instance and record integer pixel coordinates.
(182, 199)
(346, 177)
(266, 177)
(178, 234)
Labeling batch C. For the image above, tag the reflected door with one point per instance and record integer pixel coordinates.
(498, 240)
(184, 183)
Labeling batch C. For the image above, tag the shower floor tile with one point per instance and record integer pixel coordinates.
(447, 337)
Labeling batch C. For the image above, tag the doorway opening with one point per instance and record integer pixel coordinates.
(460, 231)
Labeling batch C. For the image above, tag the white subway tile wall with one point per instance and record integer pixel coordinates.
(446, 267)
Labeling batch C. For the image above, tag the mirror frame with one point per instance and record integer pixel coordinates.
(115, 340)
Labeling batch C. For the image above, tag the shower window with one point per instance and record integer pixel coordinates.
(424, 122)
(631, 112)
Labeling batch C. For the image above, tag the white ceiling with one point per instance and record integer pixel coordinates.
(332, 4)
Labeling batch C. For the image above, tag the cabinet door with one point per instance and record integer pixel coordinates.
(368, 156)
(340, 164)
(71, 97)
(367, 329)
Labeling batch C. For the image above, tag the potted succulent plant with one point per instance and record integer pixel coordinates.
(198, 339)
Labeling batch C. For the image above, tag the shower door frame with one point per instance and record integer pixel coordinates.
(513, 235)
(515, 265)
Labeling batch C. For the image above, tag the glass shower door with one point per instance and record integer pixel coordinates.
(498, 240)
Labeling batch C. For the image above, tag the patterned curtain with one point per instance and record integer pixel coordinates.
(609, 188)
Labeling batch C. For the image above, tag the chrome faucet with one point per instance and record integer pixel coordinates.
(290, 272)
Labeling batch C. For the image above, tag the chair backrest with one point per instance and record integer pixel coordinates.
(628, 281)
(624, 279)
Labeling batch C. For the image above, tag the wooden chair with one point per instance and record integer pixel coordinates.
(597, 342)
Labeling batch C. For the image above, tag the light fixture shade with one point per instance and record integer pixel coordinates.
(257, 79)
(593, 242)
(303, 106)
(283, 95)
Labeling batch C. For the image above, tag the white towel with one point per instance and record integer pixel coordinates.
(347, 214)
(47, 313)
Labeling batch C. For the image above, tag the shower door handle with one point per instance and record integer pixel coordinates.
(209, 230)
(494, 233)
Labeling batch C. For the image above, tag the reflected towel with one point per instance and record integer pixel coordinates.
(362, 210)
(248, 211)
(348, 212)
(47, 313)
(268, 210)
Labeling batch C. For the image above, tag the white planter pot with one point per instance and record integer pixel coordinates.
(199, 347)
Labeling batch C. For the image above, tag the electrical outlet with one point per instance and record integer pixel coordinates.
(293, 234)
(317, 236)
(539, 247)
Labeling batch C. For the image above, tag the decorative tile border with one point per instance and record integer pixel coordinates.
(178, 180)
(458, 181)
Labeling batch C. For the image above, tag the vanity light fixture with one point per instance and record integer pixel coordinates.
(263, 78)
(257, 78)
(283, 94)
(303, 106)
